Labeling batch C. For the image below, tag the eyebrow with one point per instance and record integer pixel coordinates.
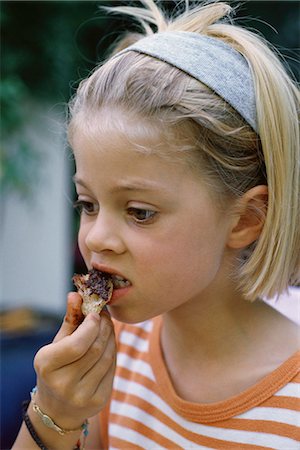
(134, 185)
(137, 185)
(77, 180)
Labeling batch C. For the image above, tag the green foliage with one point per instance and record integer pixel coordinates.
(13, 92)
(45, 47)
(16, 161)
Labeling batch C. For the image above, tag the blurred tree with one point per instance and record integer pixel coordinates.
(46, 48)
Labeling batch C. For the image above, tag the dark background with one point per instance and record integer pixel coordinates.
(48, 46)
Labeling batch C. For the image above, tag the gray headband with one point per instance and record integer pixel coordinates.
(208, 60)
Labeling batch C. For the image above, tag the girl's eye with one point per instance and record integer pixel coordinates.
(85, 207)
(141, 215)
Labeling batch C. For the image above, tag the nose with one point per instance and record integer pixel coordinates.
(103, 235)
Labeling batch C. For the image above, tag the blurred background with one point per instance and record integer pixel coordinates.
(47, 48)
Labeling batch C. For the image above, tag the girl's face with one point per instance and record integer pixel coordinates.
(147, 219)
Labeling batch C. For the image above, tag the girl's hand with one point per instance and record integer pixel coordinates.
(75, 372)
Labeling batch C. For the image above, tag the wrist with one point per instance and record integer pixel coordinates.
(49, 422)
(43, 437)
(47, 433)
(62, 414)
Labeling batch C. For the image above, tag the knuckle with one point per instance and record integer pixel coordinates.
(79, 399)
(41, 361)
(106, 328)
(75, 351)
(97, 349)
(61, 386)
(108, 359)
(62, 389)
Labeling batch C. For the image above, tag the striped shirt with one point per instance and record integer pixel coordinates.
(146, 413)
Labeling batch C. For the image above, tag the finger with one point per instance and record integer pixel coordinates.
(71, 348)
(104, 388)
(97, 373)
(97, 349)
(73, 317)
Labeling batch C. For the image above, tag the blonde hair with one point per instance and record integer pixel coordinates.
(233, 154)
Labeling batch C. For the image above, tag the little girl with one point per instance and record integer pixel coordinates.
(187, 172)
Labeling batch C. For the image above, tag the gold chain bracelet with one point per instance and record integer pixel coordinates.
(49, 422)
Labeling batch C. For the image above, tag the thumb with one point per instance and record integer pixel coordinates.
(73, 317)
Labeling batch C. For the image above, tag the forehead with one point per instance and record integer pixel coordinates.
(118, 150)
(128, 148)
(116, 128)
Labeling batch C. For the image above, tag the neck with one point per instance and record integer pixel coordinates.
(225, 328)
(209, 327)
(225, 343)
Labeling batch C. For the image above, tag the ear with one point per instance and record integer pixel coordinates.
(250, 218)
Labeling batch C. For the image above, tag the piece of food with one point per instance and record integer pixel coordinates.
(95, 288)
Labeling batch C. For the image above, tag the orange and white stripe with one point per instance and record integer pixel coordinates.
(146, 413)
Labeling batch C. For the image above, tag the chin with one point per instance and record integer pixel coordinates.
(129, 316)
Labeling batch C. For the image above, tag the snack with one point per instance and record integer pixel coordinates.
(95, 288)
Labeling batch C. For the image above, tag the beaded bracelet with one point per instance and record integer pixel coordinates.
(30, 427)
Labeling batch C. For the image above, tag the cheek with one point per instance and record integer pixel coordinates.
(184, 260)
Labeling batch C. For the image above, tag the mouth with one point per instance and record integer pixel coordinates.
(119, 282)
